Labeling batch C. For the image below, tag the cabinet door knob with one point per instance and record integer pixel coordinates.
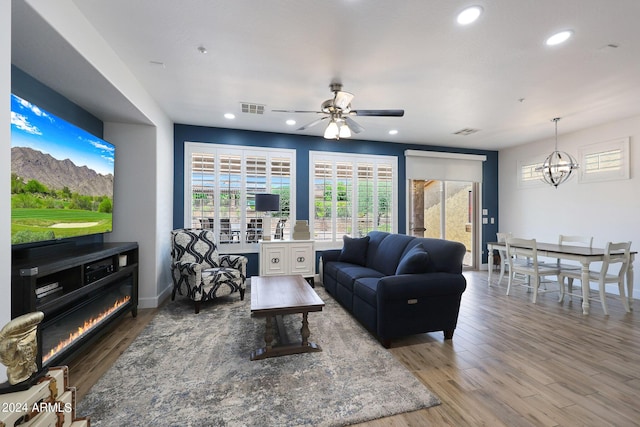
(300, 259)
(275, 260)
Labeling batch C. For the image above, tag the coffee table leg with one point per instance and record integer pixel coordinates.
(304, 331)
(268, 333)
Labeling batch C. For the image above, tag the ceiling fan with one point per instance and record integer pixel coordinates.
(337, 114)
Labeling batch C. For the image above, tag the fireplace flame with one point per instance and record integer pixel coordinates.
(86, 327)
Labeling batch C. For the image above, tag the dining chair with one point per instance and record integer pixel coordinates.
(225, 230)
(616, 255)
(254, 230)
(504, 262)
(584, 241)
(522, 255)
(206, 223)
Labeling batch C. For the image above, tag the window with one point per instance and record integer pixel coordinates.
(351, 194)
(220, 186)
(528, 176)
(604, 161)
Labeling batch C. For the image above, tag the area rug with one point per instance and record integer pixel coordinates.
(194, 370)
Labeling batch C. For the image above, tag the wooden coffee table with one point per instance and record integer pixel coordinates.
(274, 296)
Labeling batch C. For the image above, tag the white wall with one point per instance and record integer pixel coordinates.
(137, 150)
(5, 166)
(608, 211)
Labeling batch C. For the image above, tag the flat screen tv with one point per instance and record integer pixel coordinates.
(61, 178)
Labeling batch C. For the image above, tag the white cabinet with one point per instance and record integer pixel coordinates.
(284, 257)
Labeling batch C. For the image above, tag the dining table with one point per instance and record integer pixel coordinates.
(582, 254)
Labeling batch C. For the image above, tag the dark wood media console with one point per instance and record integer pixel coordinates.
(81, 289)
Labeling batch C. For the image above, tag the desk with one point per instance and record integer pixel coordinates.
(583, 255)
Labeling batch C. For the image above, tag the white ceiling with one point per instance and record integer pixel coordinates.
(496, 75)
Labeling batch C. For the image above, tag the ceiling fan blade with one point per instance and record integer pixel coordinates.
(378, 113)
(313, 123)
(296, 111)
(342, 99)
(355, 127)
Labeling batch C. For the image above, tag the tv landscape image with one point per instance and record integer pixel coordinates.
(61, 177)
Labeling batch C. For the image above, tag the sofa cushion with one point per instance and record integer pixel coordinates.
(365, 289)
(354, 250)
(415, 261)
(385, 256)
(346, 275)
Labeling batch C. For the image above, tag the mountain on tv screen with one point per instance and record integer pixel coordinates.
(61, 177)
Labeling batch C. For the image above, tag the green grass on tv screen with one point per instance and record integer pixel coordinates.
(32, 225)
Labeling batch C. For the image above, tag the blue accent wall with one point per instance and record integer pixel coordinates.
(30, 89)
(303, 144)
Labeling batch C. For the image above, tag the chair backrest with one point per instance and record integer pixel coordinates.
(225, 230)
(254, 230)
(585, 241)
(502, 237)
(255, 223)
(194, 245)
(617, 253)
(206, 223)
(576, 240)
(522, 248)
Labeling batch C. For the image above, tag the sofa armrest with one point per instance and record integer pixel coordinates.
(330, 255)
(412, 286)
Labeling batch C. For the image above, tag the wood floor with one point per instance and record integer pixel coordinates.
(510, 363)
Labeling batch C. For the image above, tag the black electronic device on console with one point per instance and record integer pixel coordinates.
(98, 270)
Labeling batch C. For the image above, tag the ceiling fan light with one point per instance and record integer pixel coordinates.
(332, 131)
(345, 132)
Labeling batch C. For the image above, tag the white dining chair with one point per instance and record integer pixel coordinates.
(522, 255)
(616, 255)
(504, 262)
(584, 241)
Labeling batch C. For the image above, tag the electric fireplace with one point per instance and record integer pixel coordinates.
(78, 322)
(81, 290)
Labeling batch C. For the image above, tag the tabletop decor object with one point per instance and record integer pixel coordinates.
(267, 203)
(19, 346)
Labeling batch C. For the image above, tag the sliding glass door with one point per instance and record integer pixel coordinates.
(444, 210)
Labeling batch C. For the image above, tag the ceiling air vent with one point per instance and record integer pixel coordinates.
(466, 131)
(252, 108)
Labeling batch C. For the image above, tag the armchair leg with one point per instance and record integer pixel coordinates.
(173, 293)
(448, 334)
(241, 294)
(197, 306)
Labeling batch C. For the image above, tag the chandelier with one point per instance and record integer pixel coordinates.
(558, 166)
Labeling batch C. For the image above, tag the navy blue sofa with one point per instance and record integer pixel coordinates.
(397, 285)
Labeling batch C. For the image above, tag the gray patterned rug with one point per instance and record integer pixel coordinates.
(194, 370)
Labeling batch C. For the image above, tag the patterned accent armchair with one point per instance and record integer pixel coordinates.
(199, 272)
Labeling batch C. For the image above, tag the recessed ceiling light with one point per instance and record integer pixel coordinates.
(291, 122)
(202, 49)
(393, 132)
(469, 15)
(229, 116)
(558, 38)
